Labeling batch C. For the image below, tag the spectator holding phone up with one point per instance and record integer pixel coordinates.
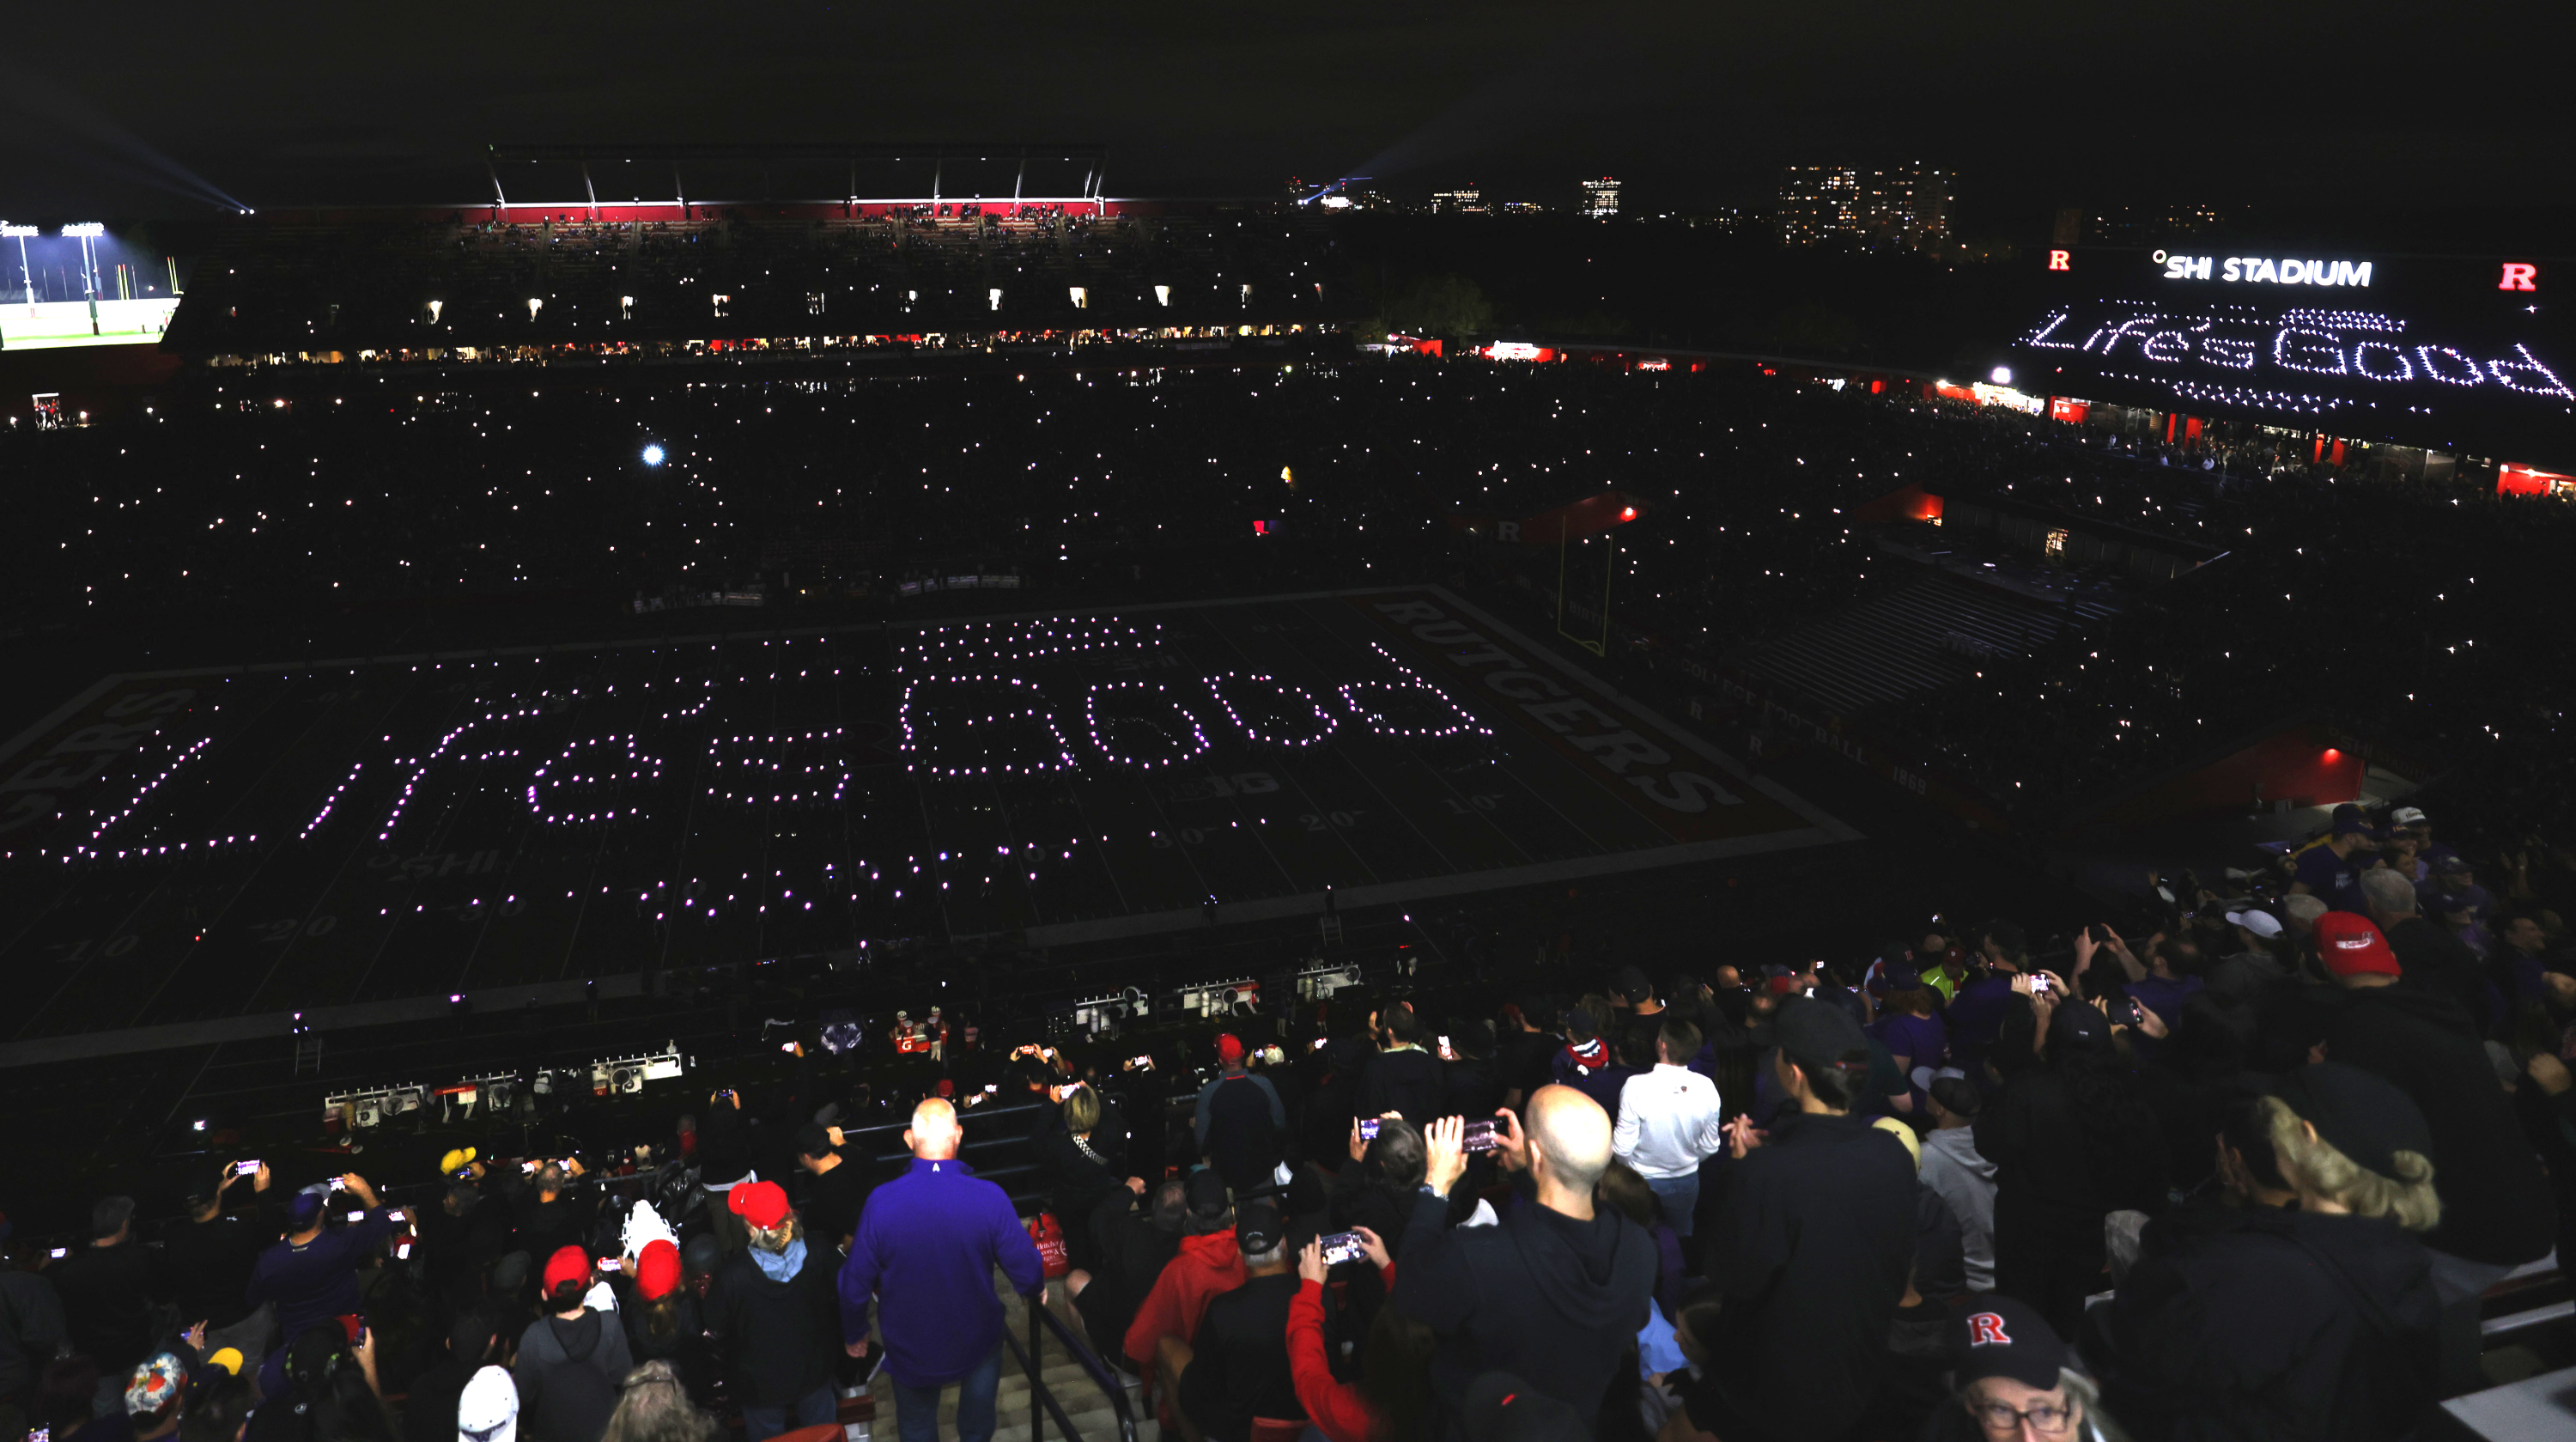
(312, 1275)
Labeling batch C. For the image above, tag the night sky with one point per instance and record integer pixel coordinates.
(2312, 112)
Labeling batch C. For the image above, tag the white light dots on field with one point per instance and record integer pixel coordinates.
(760, 764)
(333, 800)
(661, 741)
(88, 847)
(446, 743)
(1196, 745)
(1384, 725)
(624, 763)
(1327, 723)
(1033, 714)
(2368, 355)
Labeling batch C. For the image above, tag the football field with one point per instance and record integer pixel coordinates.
(268, 838)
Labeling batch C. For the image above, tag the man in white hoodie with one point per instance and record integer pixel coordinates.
(1964, 1179)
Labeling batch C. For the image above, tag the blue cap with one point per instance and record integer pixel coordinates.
(2468, 898)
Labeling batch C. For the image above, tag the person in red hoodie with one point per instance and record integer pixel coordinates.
(1208, 1263)
(1392, 1399)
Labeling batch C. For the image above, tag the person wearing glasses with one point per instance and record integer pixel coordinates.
(2012, 1381)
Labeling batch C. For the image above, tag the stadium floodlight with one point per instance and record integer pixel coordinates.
(653, 455)
(85, 230)
(20, 232)
(2002, 375)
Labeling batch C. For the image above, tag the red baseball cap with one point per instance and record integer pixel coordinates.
(2351, 945)
(1229, 1048)
(657, 1272)
(759, 1204)
(568, 1264)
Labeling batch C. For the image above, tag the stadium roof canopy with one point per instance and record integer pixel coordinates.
(792, 171)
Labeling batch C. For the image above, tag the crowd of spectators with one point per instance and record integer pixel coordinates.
(233, 504)
(417, 289)
(2237, 1162)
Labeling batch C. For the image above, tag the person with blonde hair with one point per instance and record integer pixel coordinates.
(1084, 1168)
(773, 1313)
(2313, 1321)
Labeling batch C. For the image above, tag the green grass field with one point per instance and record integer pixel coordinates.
(48, 325)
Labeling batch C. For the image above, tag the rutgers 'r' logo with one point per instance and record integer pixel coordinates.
(1986, 1329)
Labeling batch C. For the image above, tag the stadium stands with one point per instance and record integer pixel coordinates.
(403, 286)
(2113, 1160)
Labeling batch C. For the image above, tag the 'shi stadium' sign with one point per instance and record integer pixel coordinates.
(2264, 270)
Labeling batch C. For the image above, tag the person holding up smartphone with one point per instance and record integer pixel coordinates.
(210, 1258)
(1977, 1013)
(1555, 1293)
(311, 1277)
(1343, 1410)
(2163, 981)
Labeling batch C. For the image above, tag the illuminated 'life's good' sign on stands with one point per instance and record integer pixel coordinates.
(2434, 352)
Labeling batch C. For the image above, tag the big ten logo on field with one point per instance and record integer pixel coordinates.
(34, 791)
(1604, 741)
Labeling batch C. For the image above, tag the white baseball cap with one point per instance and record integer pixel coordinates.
(2262, 923)
(489, 1409)
(2406, 816)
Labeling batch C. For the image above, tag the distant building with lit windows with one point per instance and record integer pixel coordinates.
(1907, 209)
(1817, 203)
(1600, 198)
(1465, 200)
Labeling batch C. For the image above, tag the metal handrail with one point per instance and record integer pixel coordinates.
(1042, 1402)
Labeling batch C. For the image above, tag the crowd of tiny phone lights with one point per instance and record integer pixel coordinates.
(628, 763)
